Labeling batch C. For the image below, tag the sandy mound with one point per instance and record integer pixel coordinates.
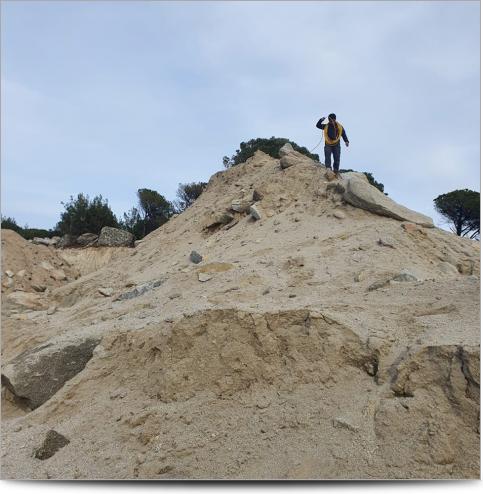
(32, 268)
(320, 340)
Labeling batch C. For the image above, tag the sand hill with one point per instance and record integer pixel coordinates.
(326, 333)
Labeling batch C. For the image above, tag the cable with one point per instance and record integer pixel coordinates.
(317, 144)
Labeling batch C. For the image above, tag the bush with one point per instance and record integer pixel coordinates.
(10, 224)
(187, 194)
(82, 215)
(269, 146)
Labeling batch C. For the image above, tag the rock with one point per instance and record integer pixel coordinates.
(360, 276)
(204, 277)
(195, 257)
(140, 290)
(240, 206)
(51, 310)
(8, 282)
(114, 237)
(9, 273)
(377, 285)
(218, 219)
(405, 276)
(107, 292)
(51, 444)
(289, 160)
(42, 241)
(255, 212)
(285, 150)
(58, 275)
(26, 300)
(339, 215)
(386, 242)
(86, 239)
(21, 273)
(257, 196)
(55, 240)
(342, 423)
(38, 287)
(466, 267)
(66, 241)
(37, 374)
(361, 194)
(330, 175)
(46, 265)
(412, 228)
(447, 268)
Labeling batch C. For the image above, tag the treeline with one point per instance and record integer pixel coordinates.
(84, 215)
(460, 208)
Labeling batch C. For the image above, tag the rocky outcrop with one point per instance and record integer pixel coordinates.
(360, 193)
(114, 237)
(37, 374)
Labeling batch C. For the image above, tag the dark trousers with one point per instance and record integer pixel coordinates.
(335, 150)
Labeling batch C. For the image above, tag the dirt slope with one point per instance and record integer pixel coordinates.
(325, 342)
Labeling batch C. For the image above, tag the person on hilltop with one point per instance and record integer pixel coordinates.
(333, 131)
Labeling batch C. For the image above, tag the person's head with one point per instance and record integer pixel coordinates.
(332, 117)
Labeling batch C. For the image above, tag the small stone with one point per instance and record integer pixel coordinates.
(51, 310)
(52, 443)
(240, 206)
(339, 215)
(289, 160)
(377, 285)
(257, 196)
(204, 277)
(330, 175)
(195, 257)
(9, 273)
(58, 275)
(38, 287)
(255, 213)
(386, 242)
(405, 276)
(466, 267)
(107, 292)
(21, 273)
(342, 423)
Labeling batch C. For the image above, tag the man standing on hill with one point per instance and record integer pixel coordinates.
(333, 131)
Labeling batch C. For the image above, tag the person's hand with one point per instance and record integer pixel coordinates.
(323, 118)
(347, 144)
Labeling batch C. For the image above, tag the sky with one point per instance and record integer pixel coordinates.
(109, 97)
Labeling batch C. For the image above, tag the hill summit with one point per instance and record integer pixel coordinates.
(287, 325)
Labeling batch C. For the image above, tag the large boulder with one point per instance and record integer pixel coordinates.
(37, 374)
(66, 241)
(114, 237)
(360, 193)
(42, 241)
(86, 239)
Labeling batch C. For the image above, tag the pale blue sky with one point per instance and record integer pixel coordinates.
(108, 97)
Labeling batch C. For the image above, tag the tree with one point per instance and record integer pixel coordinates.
(269, 146)
(156, 209)
(82, 215)
(133, 222)
(370, 178)
(10, 224)
(187, 194)
(461, 208)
